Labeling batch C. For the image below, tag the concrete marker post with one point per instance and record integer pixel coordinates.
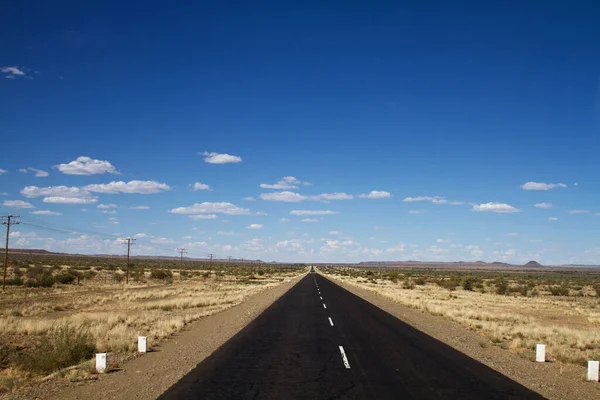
(593, 369)
(100, 362)
(142, 344)
(540, 353)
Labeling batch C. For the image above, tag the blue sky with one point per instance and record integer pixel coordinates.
(425, 131)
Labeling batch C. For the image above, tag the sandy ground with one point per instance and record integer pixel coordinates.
(149, 375)
(552, 380)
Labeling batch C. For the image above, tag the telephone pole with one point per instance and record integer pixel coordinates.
(127, 241)
(7, 220)
(211, 255)
(181, 251)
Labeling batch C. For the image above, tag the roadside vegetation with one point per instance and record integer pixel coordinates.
(514, 309)
(57, 312)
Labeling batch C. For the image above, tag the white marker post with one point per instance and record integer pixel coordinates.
(100, 362)
(540, 353)
(593, 367)
(142, 342)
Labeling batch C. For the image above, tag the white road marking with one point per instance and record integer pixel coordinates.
(324, 306)
(344, 358)
(330, 321)
(320, 297)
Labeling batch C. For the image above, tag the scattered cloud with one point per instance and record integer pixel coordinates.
(107, 211)
(578, 211)
(541, 186)
(284, 220)
(332, 196)
(107, 205)
(87, 166)
(552, 219)
(69, 200)
(38, 172)
(287, 182)
(432, 199)
(211, 208)
(442, 241)
(23, 170)
(289, 197)
(203, 216)
(512, 234)
(254, 226)
(3, 171)
(139, 208)
(313, 212)
(218, 158)
(415, 212)
(376, 194)
(13, 72)
(310, 220)
(17, 204)
(249, 198)
(199, 186)
(140, 235)
(131, 187)
(45, 212)
(495, 207)
(545, 206)
(334, 232)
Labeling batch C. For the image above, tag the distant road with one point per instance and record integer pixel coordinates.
(320, 341)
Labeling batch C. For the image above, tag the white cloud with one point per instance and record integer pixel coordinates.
(545, 206)
(249, 198)
(211, 208)
(69, 200)
(23, 170)
(217, 158)
(54, 191)
(199, 186)
(107, 205)
(3, 171)
(432, 199)
(332, 196)
(334, 232)
(284, 220)
(512, 234)
(313, 212)
(285, 196)
(552, 219)
(13, 71)
(376, 194)
(161, 240)
(87, 166)
(135, 186)
(203, 216)
(140, 235)
(442, 241)
(254, 226)
(227, 233)
(38, 172)
(139, 207)
(310, 220)
(17, 204)
(287, 182)
(541, 186)
(415, 212)
(107, 212)
(578, 211)
(495, 207)
(45, 212)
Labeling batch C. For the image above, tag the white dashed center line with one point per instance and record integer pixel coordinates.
(324, 306)
(321, 297)
(330, 321)
(344, 358)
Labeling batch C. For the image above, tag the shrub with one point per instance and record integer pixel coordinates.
(160, 274)
(39, 277)
(501, 286)
(65, 278)
(118, 276)
(15, 282)
(62, 347)
(420, 281)
(561, 290)
(469, 283)
(408, 285)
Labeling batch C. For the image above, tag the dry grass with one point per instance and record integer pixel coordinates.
(116, 314)
(567, 325)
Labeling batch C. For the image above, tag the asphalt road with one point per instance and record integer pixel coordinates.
(320, 341)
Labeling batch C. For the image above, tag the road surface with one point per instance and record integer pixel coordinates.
(319, 341)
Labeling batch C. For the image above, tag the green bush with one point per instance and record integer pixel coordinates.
(501, 286)
(561, 290)
(60, 348)
(161, 274)
(65, 278)
(39, 276)
(408, 285)
(469, 283)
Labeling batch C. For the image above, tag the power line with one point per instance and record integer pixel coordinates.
(211, 255)
(181, 251)
(7, 220)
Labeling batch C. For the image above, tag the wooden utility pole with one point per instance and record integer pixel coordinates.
(7, 220)
(181, 251)
(211, 255)
(127, 241)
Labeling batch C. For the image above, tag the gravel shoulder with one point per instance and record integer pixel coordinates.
(148, 376)
(552, 380)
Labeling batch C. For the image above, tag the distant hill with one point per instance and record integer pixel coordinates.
(533, 264)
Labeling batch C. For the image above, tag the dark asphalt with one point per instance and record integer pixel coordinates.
(291, 351)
